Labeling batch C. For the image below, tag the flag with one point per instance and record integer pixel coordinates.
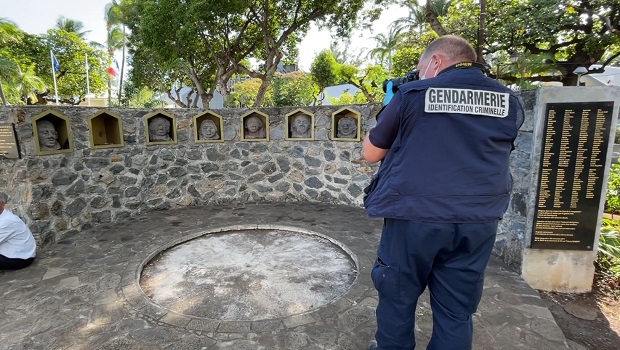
(55, 63)
(113, 70)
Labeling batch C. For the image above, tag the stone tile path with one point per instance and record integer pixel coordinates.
(83, 291)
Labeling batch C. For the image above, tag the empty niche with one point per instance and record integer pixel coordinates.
(346, 125)
(52, 133)
(208, 127)
(106, 130)
(160, 128)
(299, 125)
(254, 126)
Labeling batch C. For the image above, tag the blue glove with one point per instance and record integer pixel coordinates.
(389, 93)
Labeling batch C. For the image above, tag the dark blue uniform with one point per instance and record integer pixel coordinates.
(442, 187)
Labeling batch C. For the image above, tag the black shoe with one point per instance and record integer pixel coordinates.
(372, 345)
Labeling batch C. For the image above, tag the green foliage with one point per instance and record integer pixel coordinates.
(324, 69)
(294, 89)
(203, 43)
(386, 46)
(612, 198)
(347, 99)
(572, 33)
(138, 98)
(71, 51)
(608, 263)
(407, 56)
(244, 94)
(609, 243)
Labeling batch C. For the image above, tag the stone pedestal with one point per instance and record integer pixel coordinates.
(558, 270)
(574, 129)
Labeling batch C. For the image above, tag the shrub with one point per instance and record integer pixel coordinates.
(612, 198)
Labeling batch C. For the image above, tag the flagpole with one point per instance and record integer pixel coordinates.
(87, 81)
(54, 75)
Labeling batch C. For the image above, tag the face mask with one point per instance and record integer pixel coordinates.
(423, 76)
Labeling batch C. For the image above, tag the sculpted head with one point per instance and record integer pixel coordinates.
(208, 130)
(48, 136)
(300, 126)
(254, 128)
(159, 129)
(347, 128)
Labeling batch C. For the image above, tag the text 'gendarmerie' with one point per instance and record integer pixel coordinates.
(466, 101)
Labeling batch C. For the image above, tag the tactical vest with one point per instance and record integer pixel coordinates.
(449, 163)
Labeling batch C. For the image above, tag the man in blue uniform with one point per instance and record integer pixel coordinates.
(443, 184)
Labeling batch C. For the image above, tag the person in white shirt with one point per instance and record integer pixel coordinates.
(17, 245)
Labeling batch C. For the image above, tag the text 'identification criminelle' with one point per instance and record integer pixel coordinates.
(466, 101)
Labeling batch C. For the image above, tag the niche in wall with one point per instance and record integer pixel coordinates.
(160, 128)
(299, 125)
(52, 133)
(106, 130)
(346, 125)
(208, 127)
(255, 126)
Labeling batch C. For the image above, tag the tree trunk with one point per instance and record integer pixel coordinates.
(109, 89)
(433, 21)
(4, 102)
(481, 30)
(176, 99)
(120, 85)
(271, 65)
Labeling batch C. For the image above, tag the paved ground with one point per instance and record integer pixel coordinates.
(83, 292)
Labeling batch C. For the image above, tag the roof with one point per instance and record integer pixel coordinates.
(336, 91)
(611, 76)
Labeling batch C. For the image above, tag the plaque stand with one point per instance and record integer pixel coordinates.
(573, 144)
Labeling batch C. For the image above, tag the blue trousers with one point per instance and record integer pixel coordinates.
(448, 258)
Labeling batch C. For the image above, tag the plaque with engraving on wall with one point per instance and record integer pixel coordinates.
(8, 141)
(571, 175)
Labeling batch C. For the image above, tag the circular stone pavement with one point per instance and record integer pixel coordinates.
(249, 274)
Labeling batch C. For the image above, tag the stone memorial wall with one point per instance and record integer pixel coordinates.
(98, 177)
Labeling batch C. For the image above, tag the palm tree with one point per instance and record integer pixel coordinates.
(116, 40)
(386, 45)
(71, 26)
(416, 19)
(28, 82)
(8, 69)
(9, 31)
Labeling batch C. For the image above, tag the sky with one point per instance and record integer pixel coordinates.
(40, 15)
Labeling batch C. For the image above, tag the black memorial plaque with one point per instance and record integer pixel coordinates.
(8, 141)
(571, 175)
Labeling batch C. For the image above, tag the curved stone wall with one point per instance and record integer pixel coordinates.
(59, 194)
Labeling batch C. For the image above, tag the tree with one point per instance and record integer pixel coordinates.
(33, 55)
(386, 46)
(294, 89)
(572, 33)
(201, 44)
(244, 94)
(283, 23)
(324, 70)
(9, 33)
(369, 80)
(71, 26)
(415, 20)
(407, 56)
(115, 40)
